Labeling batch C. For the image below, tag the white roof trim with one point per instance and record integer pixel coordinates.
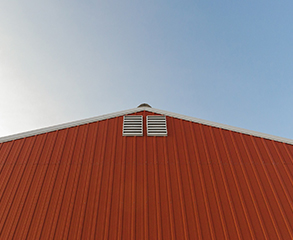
(134, 110)
(67, 125)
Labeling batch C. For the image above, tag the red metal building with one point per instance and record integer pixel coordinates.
(145, 177)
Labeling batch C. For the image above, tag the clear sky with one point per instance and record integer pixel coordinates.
(225, 61)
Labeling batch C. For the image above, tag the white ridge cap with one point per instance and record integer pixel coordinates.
(140, 109)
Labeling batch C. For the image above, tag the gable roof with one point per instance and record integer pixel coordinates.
(140, 109)
(87, 181)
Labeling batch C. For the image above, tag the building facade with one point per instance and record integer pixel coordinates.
(145, 173)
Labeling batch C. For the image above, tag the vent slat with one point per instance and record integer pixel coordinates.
(132, 126)
(156, 125)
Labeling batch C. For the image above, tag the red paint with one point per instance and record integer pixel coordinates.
(199, 182)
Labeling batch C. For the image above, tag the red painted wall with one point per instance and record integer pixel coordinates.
(199, 182)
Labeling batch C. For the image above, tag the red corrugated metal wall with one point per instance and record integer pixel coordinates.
(199, 182)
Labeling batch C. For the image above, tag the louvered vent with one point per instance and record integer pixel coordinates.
(132, 126)
(156, 125)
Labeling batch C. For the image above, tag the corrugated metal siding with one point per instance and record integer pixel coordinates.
(199, 182)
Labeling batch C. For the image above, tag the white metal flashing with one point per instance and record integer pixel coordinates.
(140, 109)
(68, 125)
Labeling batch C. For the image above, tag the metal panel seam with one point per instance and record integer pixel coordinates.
(237, 185)
(178, 173)
(261, 188)
(215, 188)
(192, 189)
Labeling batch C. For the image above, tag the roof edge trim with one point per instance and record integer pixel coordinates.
(68, 125)
(140, 109)
(224, 126)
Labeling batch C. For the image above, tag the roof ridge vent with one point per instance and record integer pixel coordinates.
(156, 125)
(144, 105)
(132, 125)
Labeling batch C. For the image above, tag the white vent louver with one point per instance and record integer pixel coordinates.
(156, 125)
(132, 125)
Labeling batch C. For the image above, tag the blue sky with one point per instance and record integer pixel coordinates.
(229, 61)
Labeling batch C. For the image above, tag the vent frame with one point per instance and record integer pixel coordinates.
(132, 125)
(156, 125)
